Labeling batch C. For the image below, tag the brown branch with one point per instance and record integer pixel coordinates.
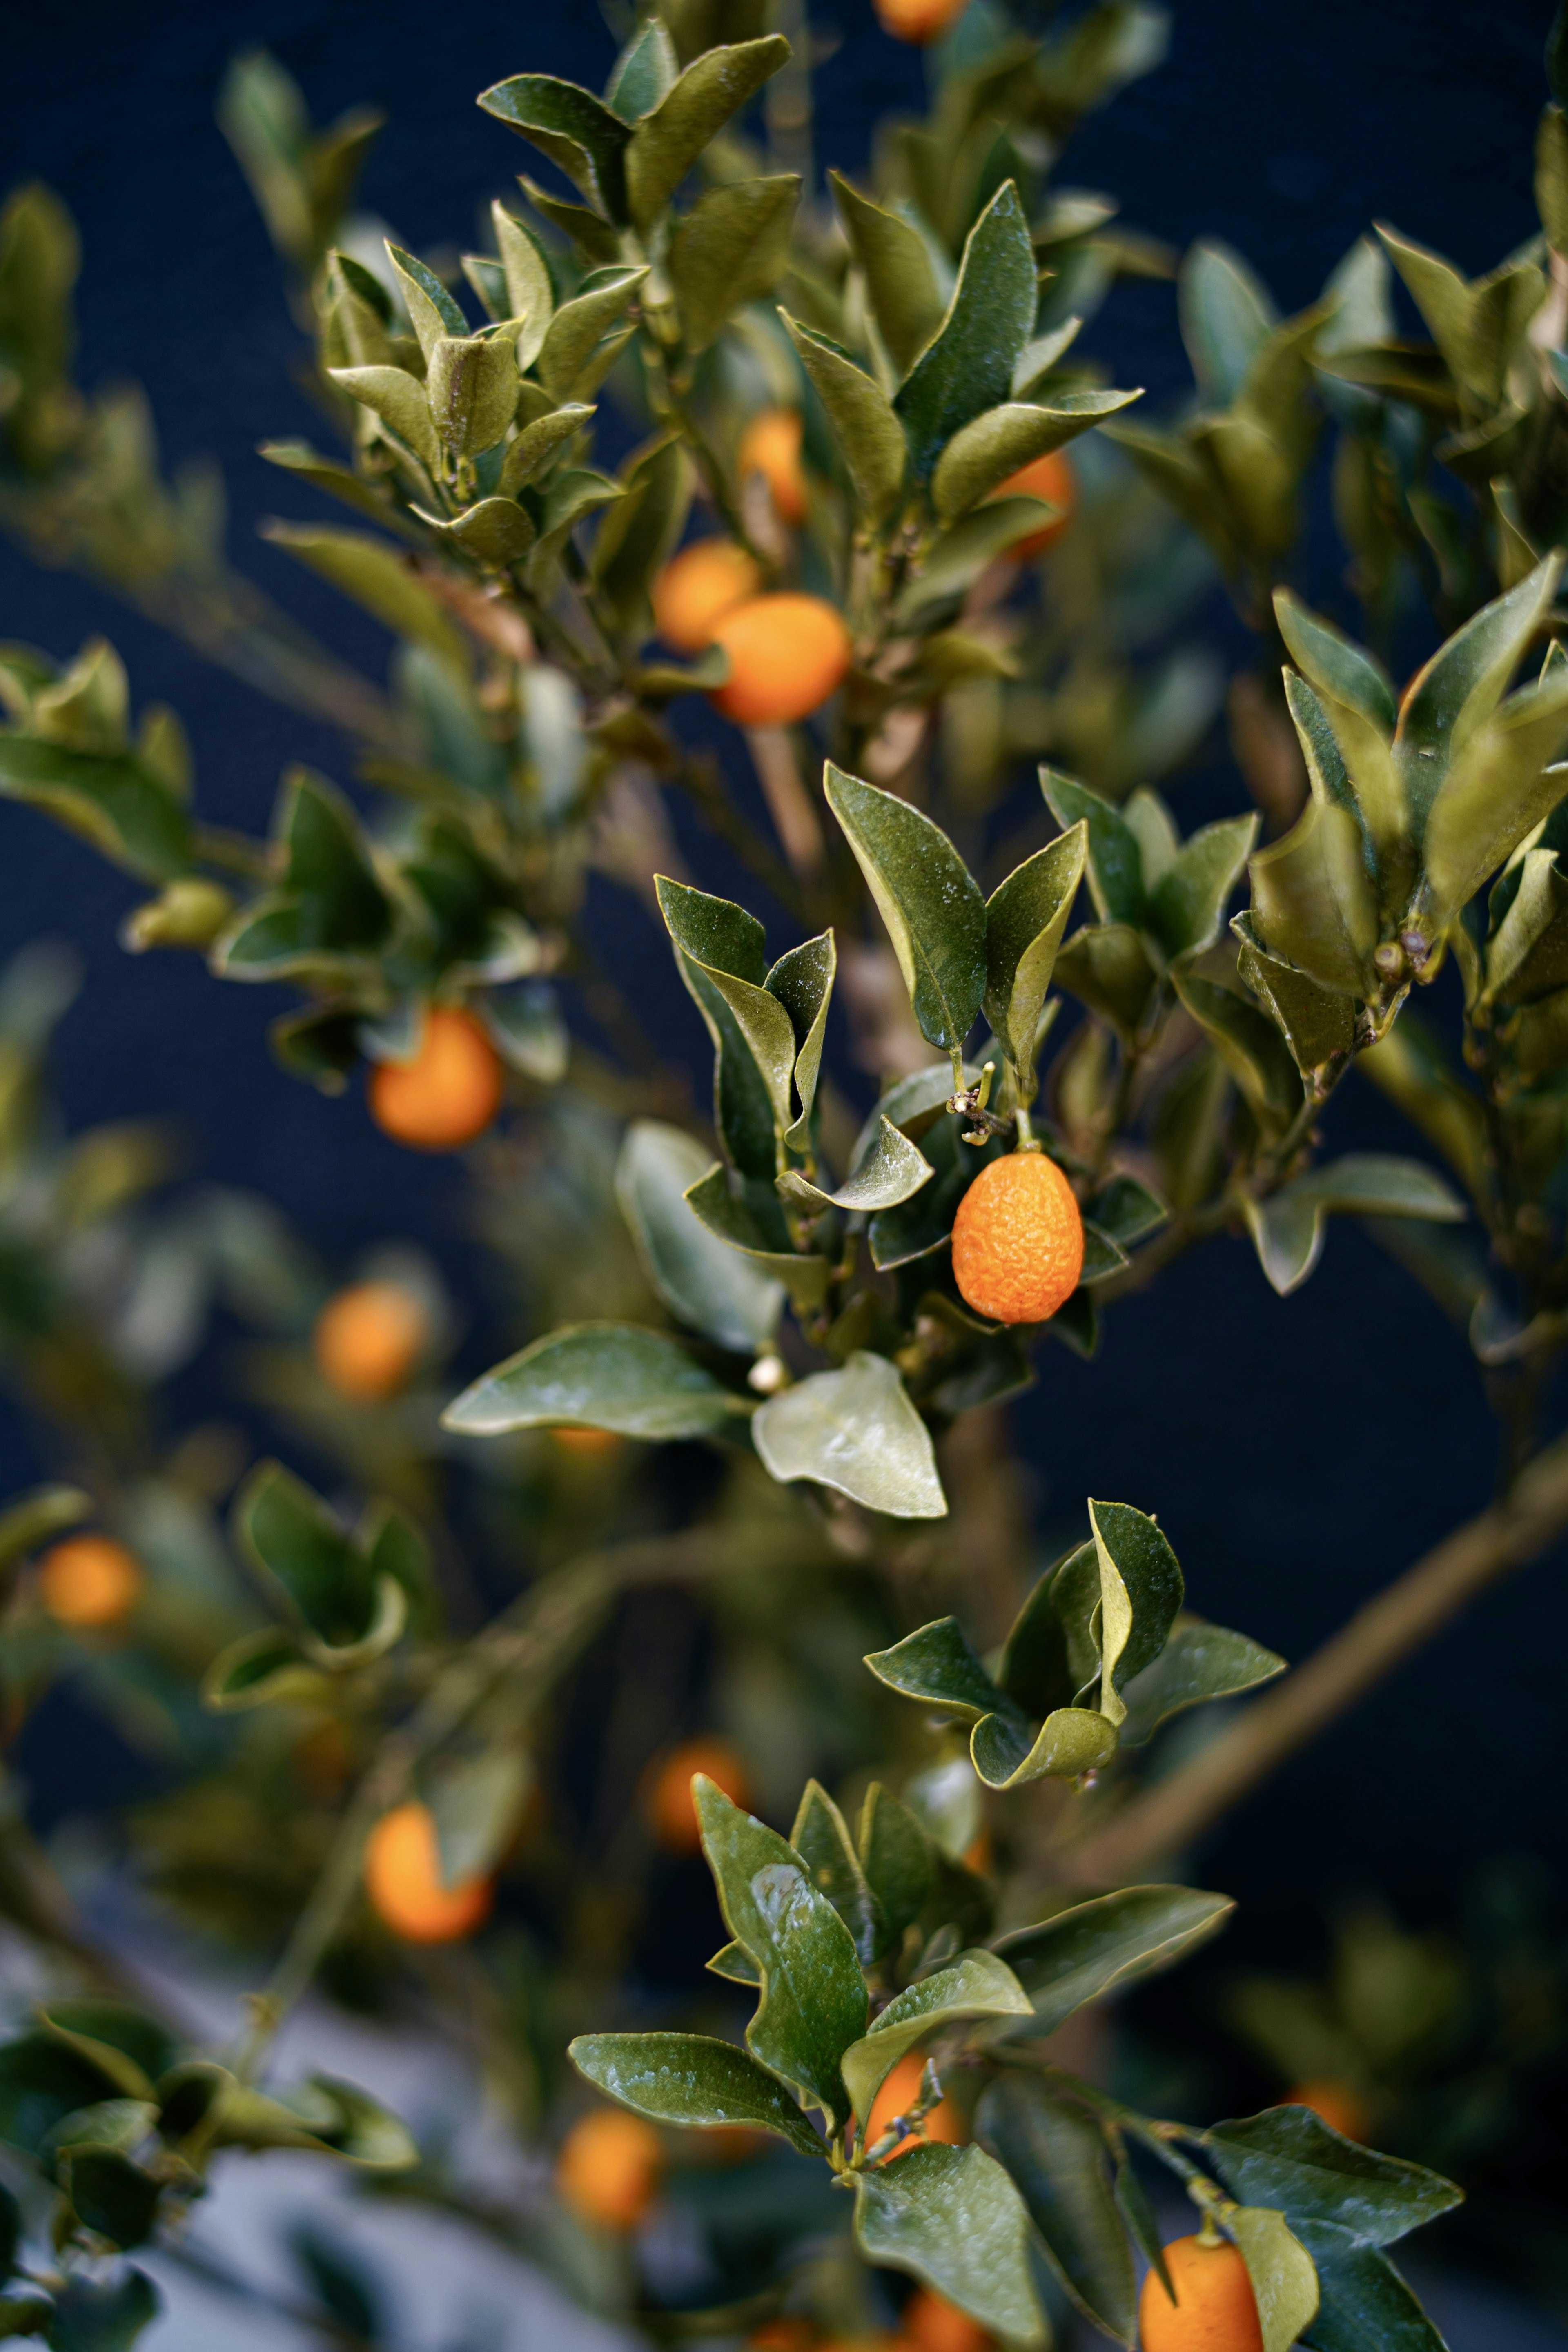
(1166, 1818)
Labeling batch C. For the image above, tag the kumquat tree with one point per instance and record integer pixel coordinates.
(764, 553)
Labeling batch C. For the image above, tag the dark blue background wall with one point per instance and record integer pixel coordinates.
(1298, 1452)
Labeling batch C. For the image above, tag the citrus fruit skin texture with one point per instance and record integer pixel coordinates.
(403, 1879)
(1336, 2104)
(917, 20)
(787, 655)
(896, 2097)
(671, 1814)
(931, 2323)
(1215, 2310)
(609, 2168)
(770, 446)
(1017, 1240)
(89, 1581)
(698, 585)
(1051, 478)
(367, 1340)
(447, 1094)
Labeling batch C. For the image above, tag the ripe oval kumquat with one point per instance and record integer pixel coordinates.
(770, 446)
(787, 655)
(367, 1340)
(403, 1880)
(449, 1093)
(1017, 1240)
(1335, 2104)
(1215, 2309)
(1049, 477)
(896, 2097)
(931, 2323)
(696, 586)
(670, 1810)
(918, 20)
(88, 1582)
(609, 2168)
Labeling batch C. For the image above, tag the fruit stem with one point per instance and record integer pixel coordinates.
(1027, 1140)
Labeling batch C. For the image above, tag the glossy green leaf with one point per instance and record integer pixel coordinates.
(1140, 1591)
(530, 291)
(967, 366)
(115, 802)
(1199, 1662)
(1318, 1023)
(1291, 2158)
(1284, 2283)
(952, 2217)
(1056, 2155)
(1465, 680)
(1287, 1227)
(1115, 860)
(1025, 919)
(377, 578)
(571, 126)
(1071, 1740)
(598, 1376)
(1363, 2301)
(1227, 319)
(1108, 1941)
(927, 897)
(896, 1856)
(1052, 1652)
(900, 279)
(707, 1284)
(820, 1838)
(1187, 904)
(398, 399)
(1106, 966)
(731, 248)
(1247, 1044)
(472, 388)
(257, 1670)
(857, 1431)
(893, 1170)
(812, 2002)
(666, 143)
(986, 453)
(497, 533)
(803, 981)
(936, 1664)
(692, 2080)
(733, 1215)
(1498, 790)
(977, 1984)
(957, 557)
(575, 331)
(537, 444)
(1527, 954)
(735, 1965)
(304, 1551)
(721, 945)
(1312, 903)
(645, 70)
(432, 311)
(1127, 1209)
(868, 432)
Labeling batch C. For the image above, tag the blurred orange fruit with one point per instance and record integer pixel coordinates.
(1051, 478)
(787, 655)
(785, 2335)
(670, 1810)
(1342, 2108)
(367, 1340)
(609, 2168)
(403, 1880)
(1017, 1240)
(451, 1090)
(896, 2097)
(1215, 2310)
(88, 1582)
(696, 586)
(931, 2323)
(770, 446)
(917, 20)
(588, 1441)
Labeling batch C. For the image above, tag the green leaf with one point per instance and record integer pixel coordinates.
(1025, 919)
(1364, 2302)
(1461, 686)
(529, 293)
(691, 2079)
(1527, 954)
(803, 980)
(735, 1964)
(93, 2318)
(731, 248)
(324, 474)
(111, 2196)
(968, 365)
(667, 143)
(1552, 176)
(472, 387)
(477, 1800)
(977, 1984)
(896, 1855)
(991, 449)
(1246, 1042)
(956, 557)
(1087, 1951)
(899, 280)
(497, 533)
(431, 310)
(1106, 966)
(1199, 1662)
(1127, 1211)
(1052, 1652)
(398, 399)
(893, 1170)
(1340, 670)
(1227, 319)
(257, 1670)
(705, 1283)
(1312, 904)
(1497, 791)
(574, 128)
(927, 897)
(43, 2079)
(115, 802)
(598, 1376)
(820, 1838)
(1115, 858)
(577, 328)
(1055, 2154)
(952, 2218)
(377, 578)
(733, 1216)
(1287, 1227)
(695, 921)
(645, 70)
(639, 535)
(127, 2044)
(538, 442)
(1318, 1023)
(868, 433)
(857, 1431)
(1290, 2157)
(1140, 1591)
(812, 2002)
(29, 1523)
(1187, 904)
(1284, 2283)
(936, 1664)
